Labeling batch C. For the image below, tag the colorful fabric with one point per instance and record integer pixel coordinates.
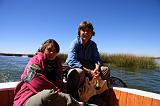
(33, 79)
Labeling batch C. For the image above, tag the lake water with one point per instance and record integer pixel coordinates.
(11, 67)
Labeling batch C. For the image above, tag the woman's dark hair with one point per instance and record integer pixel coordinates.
(86, 24)
(45, 44)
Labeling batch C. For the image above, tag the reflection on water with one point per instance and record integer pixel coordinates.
(145, 79)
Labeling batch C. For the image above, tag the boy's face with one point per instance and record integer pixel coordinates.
(50, 52)
(85, 34)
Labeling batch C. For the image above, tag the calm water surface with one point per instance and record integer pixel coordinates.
(145, 79)
(11, 67)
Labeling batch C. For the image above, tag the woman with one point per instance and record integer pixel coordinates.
(41, 80)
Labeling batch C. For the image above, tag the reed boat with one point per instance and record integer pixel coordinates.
(118, 96)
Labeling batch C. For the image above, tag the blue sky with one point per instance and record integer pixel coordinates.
(121, 26)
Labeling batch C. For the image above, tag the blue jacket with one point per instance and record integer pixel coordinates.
(80, 55)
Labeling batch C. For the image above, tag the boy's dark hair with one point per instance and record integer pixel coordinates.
(86, 24)
(44, 45)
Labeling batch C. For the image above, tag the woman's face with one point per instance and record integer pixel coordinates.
(50, 52)
(85, 34)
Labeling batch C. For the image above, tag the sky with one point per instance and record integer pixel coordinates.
(121, 26)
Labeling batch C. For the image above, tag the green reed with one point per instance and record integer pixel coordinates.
(123, 60)
(63, 57)
(128, 60)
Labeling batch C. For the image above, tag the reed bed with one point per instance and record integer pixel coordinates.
(127, 60)
(123, 60)
(63, 57)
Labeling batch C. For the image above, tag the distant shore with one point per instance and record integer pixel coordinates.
(16, 54)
